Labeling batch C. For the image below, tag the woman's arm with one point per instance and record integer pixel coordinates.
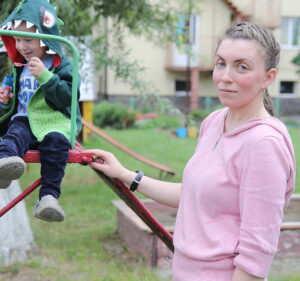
(162, 192)
(241, 275)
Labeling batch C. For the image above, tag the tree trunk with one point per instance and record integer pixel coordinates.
(16, 239)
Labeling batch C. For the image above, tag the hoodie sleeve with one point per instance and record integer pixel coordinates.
(58, 86)
(264, 188)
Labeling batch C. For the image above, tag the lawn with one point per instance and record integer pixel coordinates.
(86, 246)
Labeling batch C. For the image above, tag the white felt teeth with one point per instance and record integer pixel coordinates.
(17, 23)
(2, 49)
(42, 44)
(29, 24)
(37, 31)
(50, 52)
(9, 24)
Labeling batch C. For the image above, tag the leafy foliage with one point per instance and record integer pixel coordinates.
(140, 17)
(113, 115)
(162, 122)
(296, 61)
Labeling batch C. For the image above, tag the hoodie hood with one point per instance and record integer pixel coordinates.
(276, 125)
(42, 15)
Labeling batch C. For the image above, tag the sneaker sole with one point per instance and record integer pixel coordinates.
(11, 170)
(49, 214)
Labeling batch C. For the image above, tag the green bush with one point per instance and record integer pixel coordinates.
(198, 114)
(113, 115)
(162, 122)
(291, 124)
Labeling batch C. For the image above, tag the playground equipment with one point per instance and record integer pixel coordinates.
(77, 154)
(139, 157)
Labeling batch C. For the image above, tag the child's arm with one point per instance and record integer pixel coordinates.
(58, 85)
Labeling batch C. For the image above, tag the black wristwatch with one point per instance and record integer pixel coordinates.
(136, 181)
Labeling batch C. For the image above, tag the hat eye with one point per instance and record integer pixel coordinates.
(49, 19)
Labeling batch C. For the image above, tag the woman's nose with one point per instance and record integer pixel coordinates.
(227, 75)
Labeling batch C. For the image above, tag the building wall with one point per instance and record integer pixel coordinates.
(287, 70)
(214, 18)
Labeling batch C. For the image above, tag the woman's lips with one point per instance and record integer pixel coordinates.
(227, 91)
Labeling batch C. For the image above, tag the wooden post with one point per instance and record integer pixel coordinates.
(195, 88)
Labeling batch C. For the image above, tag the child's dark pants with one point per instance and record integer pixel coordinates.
(54, 152)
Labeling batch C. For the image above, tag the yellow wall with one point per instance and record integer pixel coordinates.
(215, 17)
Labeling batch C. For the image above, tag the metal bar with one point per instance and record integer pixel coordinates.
(74, 73)
(290, 225)
(138, 207)
(76, 156)
(139, 157)
(25, 193)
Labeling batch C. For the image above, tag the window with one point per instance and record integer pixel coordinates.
(287, 88)
(290, 32)
(186, 31)
(181, 87)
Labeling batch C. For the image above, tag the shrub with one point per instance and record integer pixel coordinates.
(291, 124)
(113, 115)
(162, 122)
(198, 114)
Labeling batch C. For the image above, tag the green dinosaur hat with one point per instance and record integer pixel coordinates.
(38, 13)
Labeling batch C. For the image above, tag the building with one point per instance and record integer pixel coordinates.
(175, 73)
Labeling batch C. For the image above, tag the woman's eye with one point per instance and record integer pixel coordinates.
(220, 64)
(242, 67)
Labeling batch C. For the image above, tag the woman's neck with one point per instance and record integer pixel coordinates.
(238, 116)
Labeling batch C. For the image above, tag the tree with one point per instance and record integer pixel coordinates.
(16, 239)
(154, 21)
(296, 61)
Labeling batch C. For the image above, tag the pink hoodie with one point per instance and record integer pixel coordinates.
(232, 201)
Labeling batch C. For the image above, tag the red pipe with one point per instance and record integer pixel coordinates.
(26, 192)
(138, 207)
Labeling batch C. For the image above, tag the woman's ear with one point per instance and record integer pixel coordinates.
(270, 77)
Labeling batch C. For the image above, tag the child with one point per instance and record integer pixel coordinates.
(40, 110)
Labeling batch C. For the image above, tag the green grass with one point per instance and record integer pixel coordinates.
(86, 246)
(295, 135)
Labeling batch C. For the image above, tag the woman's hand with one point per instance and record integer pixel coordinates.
(108, 164)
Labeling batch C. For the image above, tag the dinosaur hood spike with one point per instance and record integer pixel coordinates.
(40, 14)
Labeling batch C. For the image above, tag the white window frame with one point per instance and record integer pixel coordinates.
(289, 45)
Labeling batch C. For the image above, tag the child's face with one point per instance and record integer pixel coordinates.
(29, 47)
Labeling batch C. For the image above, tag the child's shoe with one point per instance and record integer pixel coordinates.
(11, 168)
(48, 209)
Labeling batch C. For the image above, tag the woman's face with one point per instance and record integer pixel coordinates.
(239, 73)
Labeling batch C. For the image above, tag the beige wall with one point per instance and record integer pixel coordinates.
(214, 19)
(287, 70)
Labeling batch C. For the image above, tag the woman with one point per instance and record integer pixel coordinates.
(236, 185)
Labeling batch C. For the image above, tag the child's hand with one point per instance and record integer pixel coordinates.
(4, 96)
(36, 67)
